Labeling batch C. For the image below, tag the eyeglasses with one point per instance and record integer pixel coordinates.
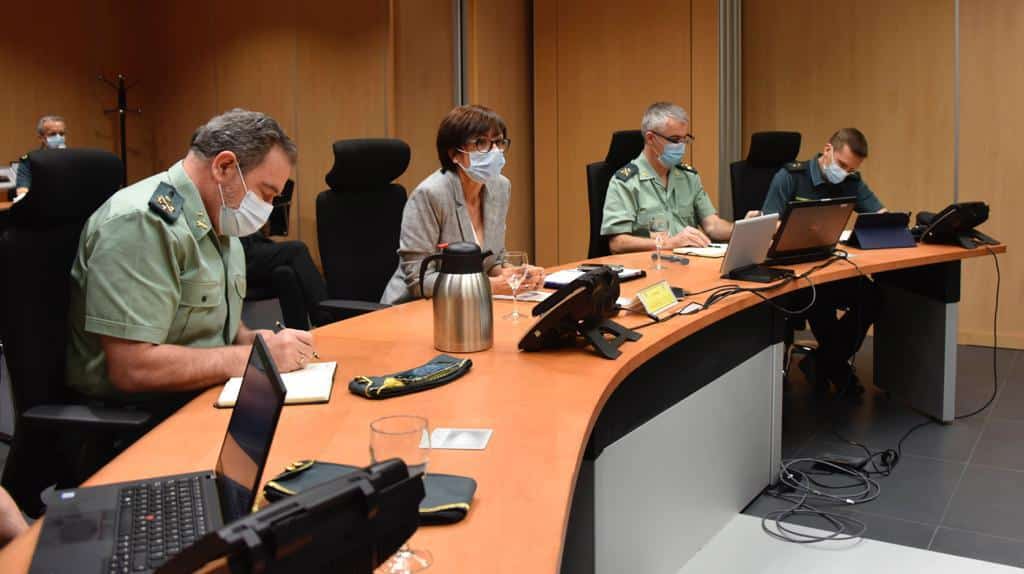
(688, 138)
(486, 144)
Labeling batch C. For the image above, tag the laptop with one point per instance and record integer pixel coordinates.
(747, 248)
(137, 526)
(810, 230)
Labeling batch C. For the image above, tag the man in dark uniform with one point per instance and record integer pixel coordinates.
(51, 131)
(833, 173)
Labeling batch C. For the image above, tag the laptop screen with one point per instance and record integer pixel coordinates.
(812, 225)
(250, 432)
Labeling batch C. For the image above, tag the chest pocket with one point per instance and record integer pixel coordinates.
(240, 286)
(198, 311)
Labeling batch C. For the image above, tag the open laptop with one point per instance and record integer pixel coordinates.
(810, 230)
(747, 248)
(136, 526)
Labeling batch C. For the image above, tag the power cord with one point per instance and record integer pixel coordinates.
(798, 486)
(995, 342)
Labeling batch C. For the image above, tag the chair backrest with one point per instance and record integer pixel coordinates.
(751, 177)
(278, 222)
(37, 247)
(359, 218)
(625, 146)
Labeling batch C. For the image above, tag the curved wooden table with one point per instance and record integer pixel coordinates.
(541, 406)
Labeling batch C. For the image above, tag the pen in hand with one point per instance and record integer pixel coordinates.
(277, 329)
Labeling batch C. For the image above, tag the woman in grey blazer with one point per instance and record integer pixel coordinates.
(466, 200)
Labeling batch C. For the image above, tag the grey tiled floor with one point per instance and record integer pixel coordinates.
(958, 489)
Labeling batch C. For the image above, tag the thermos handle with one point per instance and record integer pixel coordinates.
(423, 272)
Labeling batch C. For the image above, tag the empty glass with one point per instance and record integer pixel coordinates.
(515, 267)
(405, 437)
(658, 225)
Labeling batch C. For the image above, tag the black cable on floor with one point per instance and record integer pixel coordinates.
(995, 340)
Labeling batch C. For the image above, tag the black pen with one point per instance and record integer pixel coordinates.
(277, 329)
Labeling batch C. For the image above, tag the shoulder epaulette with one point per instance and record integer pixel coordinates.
(167, 202)
(627, 171)
(796, 166)
(687, 167)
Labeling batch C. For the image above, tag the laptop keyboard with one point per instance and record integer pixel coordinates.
(156, 520)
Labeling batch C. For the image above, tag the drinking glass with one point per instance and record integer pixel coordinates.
(658, 225)
(515, 267)
(405, 437)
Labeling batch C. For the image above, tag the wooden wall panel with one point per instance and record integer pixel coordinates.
(991, 89)
(342, 69)
(500, 77)
(597, 68)
(883, 67)
(704, 115)
(50, 59)
(424, 51)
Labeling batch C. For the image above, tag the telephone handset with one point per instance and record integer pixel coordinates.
(955, 225)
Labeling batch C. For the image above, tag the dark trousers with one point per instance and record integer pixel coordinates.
(840, 337)
(288, 269)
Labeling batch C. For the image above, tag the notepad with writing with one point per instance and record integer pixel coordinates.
(714, 250)
(312, 384)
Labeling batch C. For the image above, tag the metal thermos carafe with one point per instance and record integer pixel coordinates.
(463, 311)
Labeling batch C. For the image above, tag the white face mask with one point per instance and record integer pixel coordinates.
(248, 217)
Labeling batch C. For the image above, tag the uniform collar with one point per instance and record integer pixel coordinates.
(645, 170)
(814, 168)
(194, 210)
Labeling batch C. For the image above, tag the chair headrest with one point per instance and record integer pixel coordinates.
(771, 149)
(367, 162)
(625, 146)
(68, 184)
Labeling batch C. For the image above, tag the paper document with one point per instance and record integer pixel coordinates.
(531, 296)
(566, 276)
(845, 235)
(715, 250)
(312, 384)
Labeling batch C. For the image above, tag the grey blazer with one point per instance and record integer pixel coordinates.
(436, 213)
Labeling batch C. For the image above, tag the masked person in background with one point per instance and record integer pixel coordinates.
(51, 131)
(466, 200)
(658, 182)
(159, 278)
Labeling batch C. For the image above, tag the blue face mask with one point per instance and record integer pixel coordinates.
(484, 165)
(672, 154)
(834, 173)
(56, 141)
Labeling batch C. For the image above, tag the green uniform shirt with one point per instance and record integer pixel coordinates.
(637, 187)
(151, 268)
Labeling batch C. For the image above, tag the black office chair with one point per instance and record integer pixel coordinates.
(751, 177)
(284, 284)
(359, 220)
(625, 146)
(278, 222)
(57, 439)
(769, 151)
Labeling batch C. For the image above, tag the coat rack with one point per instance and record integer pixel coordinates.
(122, 111)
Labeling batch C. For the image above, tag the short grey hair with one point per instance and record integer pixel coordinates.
(41, 124)
(249, 135)
(658, 114)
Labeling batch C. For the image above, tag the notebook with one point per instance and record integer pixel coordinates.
(312, 384)
(713, 251)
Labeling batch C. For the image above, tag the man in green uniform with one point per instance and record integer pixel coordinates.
(158, 281)
(833, 173)
(657, 182)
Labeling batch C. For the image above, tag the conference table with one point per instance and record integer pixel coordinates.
(595, 465)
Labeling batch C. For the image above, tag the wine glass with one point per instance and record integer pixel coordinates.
(658, 225)
(515, 267)
(405, 437)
